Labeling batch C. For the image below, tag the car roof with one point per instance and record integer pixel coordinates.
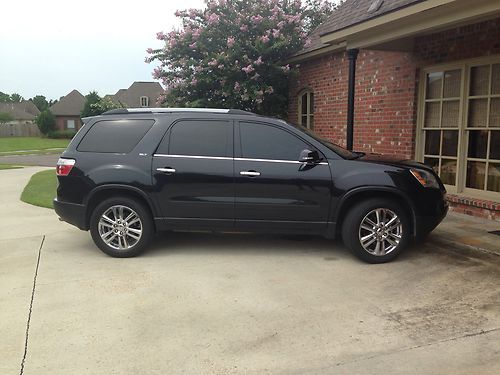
(123, 111)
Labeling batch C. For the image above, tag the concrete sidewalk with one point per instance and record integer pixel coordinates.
(466, 232)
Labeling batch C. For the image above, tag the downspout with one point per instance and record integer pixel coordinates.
(352, 55)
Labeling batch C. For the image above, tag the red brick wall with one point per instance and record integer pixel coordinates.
(384, 106)
(61, 122)
(386, 87)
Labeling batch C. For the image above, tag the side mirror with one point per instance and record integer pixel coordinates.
(308, 156)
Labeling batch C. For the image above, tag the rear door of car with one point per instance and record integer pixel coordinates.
(273, 190)
(193, 174)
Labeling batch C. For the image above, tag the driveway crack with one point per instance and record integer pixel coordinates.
(31, 307)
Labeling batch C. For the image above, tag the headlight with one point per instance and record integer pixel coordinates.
(425, 178)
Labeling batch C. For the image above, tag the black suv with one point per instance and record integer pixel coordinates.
(132, 172)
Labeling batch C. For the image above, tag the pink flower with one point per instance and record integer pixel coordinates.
(276, 33)
(256, 19)
(307, 43)
(149, 50)
(259, 61)
(157, 72)
(244, 28)
(160, 35)
(194, 81)
(230, 42)
(281, 24)
(213, 19)
(248, 69)
(196, 33)
(264, 39)
(221, 66)
(192, 45)
(213, 62)
(237, 86)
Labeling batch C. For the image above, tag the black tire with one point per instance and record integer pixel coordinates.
(351, 232)
(145, 223)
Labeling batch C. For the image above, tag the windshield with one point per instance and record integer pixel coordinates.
(346, 154)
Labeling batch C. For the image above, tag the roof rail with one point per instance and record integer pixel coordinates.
(123, 111)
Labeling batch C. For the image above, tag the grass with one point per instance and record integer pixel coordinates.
(41, 189)
(14, 145)
(9, 166)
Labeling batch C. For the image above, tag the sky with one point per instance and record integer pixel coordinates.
(50, 47)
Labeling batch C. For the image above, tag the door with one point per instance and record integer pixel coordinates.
(193, 175)
(273, 190)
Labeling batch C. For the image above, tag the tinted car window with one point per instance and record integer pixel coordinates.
(115, 136)
(200, 138)
(260, 141)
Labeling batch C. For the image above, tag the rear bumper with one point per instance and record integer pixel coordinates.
(72, 213)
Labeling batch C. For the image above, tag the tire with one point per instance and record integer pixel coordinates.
(359, 224)
(114, 235)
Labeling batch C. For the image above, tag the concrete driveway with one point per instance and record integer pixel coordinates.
(224, 304)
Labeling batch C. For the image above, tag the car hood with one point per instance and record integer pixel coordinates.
(393, 160)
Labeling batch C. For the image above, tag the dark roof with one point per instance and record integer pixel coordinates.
(350, 13)
(123, 111)
(25, 110)
(69, 105)
(353, 12)
(131, 97)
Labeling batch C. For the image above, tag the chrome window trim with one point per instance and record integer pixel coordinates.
(236, 159)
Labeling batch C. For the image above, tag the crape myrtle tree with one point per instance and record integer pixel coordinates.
(232, 54)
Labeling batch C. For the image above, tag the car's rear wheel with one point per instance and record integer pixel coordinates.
(121, 227)
(376, 230)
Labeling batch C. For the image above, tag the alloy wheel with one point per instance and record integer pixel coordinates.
(120, 227)
(380, 232)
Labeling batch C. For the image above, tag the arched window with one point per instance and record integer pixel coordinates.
(306, 109)
(144, 101)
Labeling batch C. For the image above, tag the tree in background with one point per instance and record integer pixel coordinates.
(95, 105)
(46, 122)
(232, 53)
(41, 102)
(90, 99)
(16, 98)
(5, 117)
(4, 98)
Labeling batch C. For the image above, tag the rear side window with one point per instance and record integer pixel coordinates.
(260, 141)
(199, 138)
(114, 136)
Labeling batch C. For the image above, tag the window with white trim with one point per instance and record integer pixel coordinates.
(144, 101)
(306, 109)
(459, 126)
(70, 124)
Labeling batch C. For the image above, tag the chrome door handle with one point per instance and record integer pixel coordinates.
(250, 173)
(166, 170)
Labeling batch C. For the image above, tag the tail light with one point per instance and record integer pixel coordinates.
(64, 166)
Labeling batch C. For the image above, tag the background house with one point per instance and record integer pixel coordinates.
(424, 79)
(24, 115)
(67, 111)
(139, 94)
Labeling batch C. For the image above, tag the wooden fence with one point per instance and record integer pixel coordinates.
(19, 129)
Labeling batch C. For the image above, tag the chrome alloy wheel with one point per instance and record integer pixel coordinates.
(380, 232)
(120, 227)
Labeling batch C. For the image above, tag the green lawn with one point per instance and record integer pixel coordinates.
(41, 189)
(9, 166)
(17, 144)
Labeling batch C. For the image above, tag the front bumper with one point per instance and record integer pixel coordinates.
(72, 213)
(426, 224)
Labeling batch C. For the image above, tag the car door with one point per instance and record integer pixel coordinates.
(193, 174)
(273, 190)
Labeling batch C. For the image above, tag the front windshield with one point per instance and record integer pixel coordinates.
(346, 154)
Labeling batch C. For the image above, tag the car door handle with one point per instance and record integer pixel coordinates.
(250, 173)
(166, 170)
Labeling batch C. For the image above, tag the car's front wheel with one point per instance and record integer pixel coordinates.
(376, 230)
(121, 227)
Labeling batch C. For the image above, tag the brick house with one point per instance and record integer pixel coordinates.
(418, 78)
(67, 111)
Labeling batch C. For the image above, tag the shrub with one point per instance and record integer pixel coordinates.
(46, 122)
(61, 134)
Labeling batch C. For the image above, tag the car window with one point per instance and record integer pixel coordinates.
(259, 141)
(200, 138)
(114, 136)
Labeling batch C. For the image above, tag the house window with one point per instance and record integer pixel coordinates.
(144, 101)
(306, 109)
(70, 124)
(459, 126)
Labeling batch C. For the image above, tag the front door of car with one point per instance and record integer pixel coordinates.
(274, 191)
(193, 175)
